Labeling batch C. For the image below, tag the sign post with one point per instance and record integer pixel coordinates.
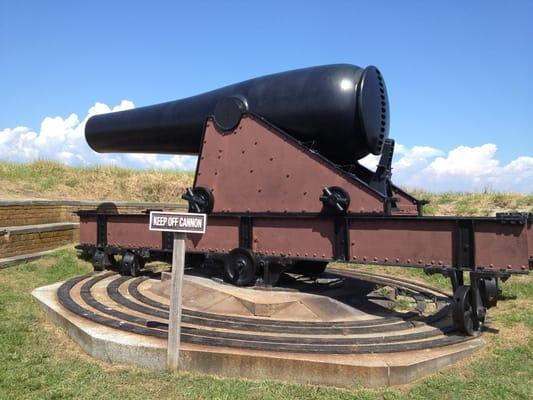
(180, 224)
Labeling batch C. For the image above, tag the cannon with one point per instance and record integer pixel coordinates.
(279, 177)
(342, 108)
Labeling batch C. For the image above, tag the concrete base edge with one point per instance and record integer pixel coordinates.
(371, 370)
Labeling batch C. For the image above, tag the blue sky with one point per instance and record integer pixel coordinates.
(458, 73)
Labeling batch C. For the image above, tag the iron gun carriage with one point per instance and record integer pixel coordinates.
(279, 177)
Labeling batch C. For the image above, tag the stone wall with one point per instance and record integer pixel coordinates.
(32, 212)
(16, 241)
(33, 226)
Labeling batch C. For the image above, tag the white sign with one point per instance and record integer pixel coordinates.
(177, 222)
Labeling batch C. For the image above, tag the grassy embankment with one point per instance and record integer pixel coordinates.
(51, 180)
(39, 361)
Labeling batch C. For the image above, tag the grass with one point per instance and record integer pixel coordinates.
(39, 361)
(481, 204)
(52, 180)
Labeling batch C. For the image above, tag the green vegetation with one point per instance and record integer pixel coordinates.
(39, 361)
(51, 180)
(482, 204)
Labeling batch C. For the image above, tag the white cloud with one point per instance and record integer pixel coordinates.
(462, 169)
(63, 140)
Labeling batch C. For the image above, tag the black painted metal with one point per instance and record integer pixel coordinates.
(194, 334)
(343, 108)
(341, 248)
(168, 240)
(200, 199)
(101, 230)
(464, 247)
(245, 232)
(381, 180)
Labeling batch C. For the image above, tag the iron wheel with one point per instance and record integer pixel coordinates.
(463, 313)
(240, 267)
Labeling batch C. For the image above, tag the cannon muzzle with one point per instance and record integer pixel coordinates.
(342, 109)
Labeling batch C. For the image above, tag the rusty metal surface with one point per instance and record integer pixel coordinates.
(88, 230)
(256, 168)
(222, 235)
(501, 246)
(405, 204)
(402, 242)
(530, 244)
(132, 231)
(307, 238)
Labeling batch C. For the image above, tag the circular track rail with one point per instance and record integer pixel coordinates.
(124, 306)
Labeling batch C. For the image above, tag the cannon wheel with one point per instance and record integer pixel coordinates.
(240, 267)
(132, 264)
(463, 313)
(489, 291)
(102, 260)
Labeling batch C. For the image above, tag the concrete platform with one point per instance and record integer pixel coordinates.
(355, 366)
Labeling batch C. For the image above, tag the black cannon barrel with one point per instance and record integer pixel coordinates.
(342, 108)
